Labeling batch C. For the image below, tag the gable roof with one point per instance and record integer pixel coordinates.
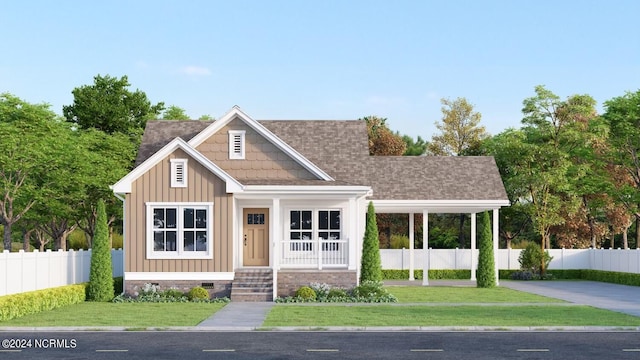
(340, 148)
(124, 185)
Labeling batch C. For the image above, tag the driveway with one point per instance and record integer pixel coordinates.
(620, 298)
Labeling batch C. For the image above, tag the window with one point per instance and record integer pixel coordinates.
(178, 172)
(306, 226)
(177, 230)
(236, 144)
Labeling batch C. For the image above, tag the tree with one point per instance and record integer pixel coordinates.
(100, 286)
(486, 264)
(26, 131)
(108, 105)
(175, 113)
(623, 117)
(382, 141)
(460, 129)
(206, 117)
(371, 268)
(414, 148)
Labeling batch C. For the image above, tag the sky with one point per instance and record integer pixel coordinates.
(329, 59)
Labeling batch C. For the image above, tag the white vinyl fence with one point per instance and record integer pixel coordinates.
(593, 259)
(28, 271)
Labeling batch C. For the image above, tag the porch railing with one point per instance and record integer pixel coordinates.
(316, 254)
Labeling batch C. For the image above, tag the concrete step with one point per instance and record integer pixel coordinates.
(249, 296)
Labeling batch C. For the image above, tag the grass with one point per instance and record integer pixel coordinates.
(425, 294)
(388, 315)
(120, 314)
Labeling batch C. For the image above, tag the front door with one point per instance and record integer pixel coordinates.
(255, 238)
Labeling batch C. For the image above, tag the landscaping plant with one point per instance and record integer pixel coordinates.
(100, 286)
(486, 277)
(371, 266)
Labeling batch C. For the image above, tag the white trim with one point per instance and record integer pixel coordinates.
(123, 186)
(179, 253)
(204, 276)
(305, 189)
(179, 167)
(437, 206)
(233, 155)
(235, 112)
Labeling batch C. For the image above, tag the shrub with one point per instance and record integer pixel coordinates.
(32, 302)
(118, 285)
(306, 293)
(522, 275)
(198, 293)
(486, 275)
(174, 293)
(399, 241)
(321, 289)
(531, 258)
(371, 268)
(100, 286)
(337, 293)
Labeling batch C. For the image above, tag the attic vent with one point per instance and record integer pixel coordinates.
(236, 144)
(178, 172)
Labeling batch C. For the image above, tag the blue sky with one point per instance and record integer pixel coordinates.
(325, 59)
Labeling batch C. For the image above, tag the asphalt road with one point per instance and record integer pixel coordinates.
(320, 345)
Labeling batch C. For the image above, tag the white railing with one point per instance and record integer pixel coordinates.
(27, 271)
(563, 259)
(314, 254)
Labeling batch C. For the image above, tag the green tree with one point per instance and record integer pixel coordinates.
(26, 164)
(460, 128)
(175, 113)
(486, 277)
(622, 114)
(109, 105)
(100, 286)
(371, 268)
(206, 117)
(414, 147)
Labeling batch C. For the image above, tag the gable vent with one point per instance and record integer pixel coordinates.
(178, 172)
(236, 144)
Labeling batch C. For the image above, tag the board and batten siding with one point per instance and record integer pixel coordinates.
(263, 160)
(155, 186)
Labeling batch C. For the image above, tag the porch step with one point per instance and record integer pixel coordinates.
(252, 285)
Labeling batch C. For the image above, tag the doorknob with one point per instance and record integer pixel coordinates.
(245, 239)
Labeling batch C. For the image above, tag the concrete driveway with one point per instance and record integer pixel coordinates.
(620, 298)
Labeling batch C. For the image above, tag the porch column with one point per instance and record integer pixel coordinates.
(277, 239)
(352, 238)
(473, 246)
(425, 247)
(496, 218)
(411, 240)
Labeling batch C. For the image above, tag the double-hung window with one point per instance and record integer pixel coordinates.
(308, 226)
(179, 230)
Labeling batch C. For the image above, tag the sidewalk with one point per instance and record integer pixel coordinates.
(239, 316)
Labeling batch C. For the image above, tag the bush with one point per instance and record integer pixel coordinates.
(306, 293)
(321, 289)
(399, 241)
(100, 286)
(33, 302)
(118, 285)
(522, 275)
(198, 293)
(174, 293)
(531, 258)
(337, 293)
(371, 268)
(435, 274)
(486, 275)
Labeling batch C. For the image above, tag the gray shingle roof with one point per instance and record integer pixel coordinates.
(340, 148)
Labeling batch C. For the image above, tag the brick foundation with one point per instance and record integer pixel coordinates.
(290, 280)
(220, 288)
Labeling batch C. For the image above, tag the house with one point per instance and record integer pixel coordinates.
(256, 209)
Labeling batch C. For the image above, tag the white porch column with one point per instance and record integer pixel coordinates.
(353, 236)
(473, 247)
(496, 218)
(425, 247)
(277, 239)
(411, 240)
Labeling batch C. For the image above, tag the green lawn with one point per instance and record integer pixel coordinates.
(388, 315)
(120, 314)
(426, 294)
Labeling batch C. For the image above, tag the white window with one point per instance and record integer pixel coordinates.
(178, 172)
(307, 226)
(179, 230)
(236, 144)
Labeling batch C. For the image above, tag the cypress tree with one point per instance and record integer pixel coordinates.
(371, 268)
(101, 277)
(486, 263)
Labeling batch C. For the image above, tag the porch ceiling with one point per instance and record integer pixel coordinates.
(437, 206)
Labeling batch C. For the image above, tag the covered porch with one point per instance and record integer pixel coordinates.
(472, 207)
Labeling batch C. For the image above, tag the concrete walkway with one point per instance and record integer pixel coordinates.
(239, 316)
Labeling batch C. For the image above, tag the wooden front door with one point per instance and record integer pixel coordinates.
(255, 240)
